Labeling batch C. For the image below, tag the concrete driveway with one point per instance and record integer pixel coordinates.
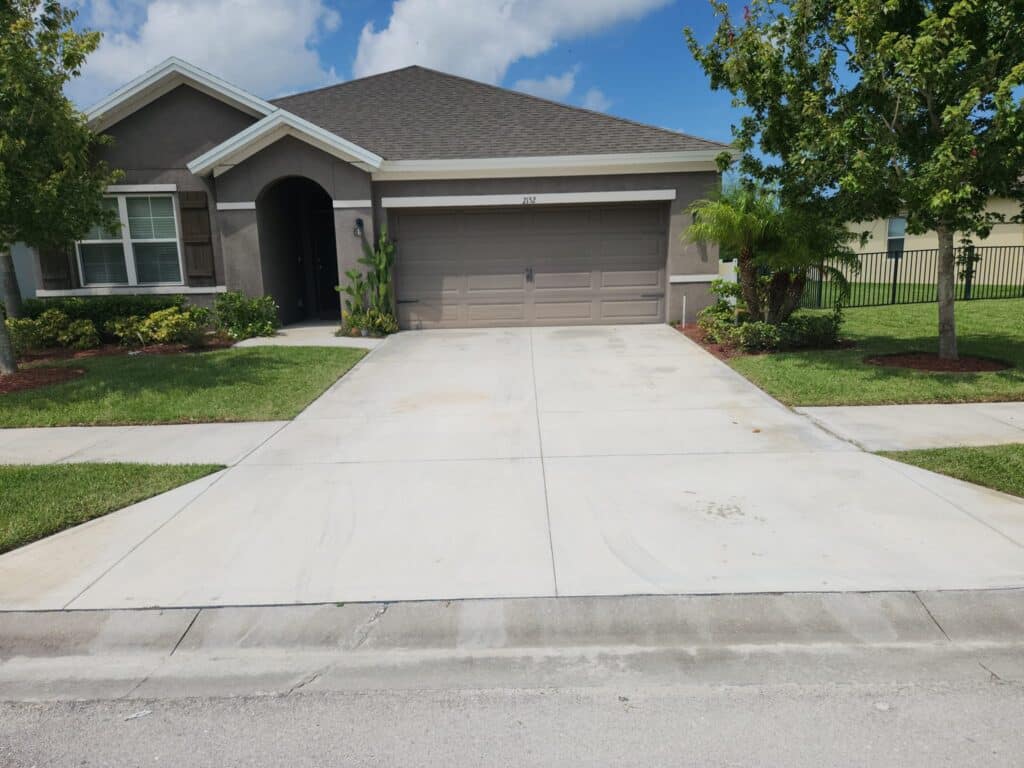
(528, 462)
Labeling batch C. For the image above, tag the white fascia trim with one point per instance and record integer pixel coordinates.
(120, 290)
(115, 189)
(555, 165)
(236, 206)
(160, 80)
(702, 278)
(265, 132)
(529, 198)
(352, 203)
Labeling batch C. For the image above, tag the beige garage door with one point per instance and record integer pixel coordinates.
(530, 266)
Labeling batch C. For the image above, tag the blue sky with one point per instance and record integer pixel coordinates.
(626, 57)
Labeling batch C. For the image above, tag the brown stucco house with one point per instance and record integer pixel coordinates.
(505, 209)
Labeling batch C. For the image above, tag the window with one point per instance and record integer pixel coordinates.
(144, 251)
(896, 234)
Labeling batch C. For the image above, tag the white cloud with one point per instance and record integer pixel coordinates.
(264, 46)
(554, 87)
(596, 100)
(481, 38)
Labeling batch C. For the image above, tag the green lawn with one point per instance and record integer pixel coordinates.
(252, 384)
(991, 328)
(994, 466)
(40, 500)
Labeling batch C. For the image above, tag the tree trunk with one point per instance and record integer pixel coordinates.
(946, 290)
(746, 274)
(7, 362)
(10, 294)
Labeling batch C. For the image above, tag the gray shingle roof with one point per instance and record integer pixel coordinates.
(417, 113)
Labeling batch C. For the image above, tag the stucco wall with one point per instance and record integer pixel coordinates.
(1001, 235)
(155, 144)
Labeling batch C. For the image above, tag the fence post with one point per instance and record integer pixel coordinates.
(895, 256)
(821, 283)
(968, 271)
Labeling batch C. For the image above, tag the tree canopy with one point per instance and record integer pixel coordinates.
(873, 108)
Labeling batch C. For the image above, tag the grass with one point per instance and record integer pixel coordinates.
(38, 501)
(990, 328)
(252, 384)
(995, 466)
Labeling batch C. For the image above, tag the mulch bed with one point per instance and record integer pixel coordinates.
(696, 334)
(33, 378)
(932, 363)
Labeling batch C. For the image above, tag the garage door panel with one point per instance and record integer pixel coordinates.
(631, 279)
(633, 310)
(590, 264)
(563, 311)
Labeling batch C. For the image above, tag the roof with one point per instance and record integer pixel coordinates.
(163, 78)
(274, 126)
(417, 113)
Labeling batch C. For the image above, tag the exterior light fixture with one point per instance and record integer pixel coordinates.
(357, 231)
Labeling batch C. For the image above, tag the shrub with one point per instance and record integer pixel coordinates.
(810, 331)
(24, 334)
(242, 318)
(49, 327)
(372, 321)
(101, 310)
(127, 331)
(717, 321)
(79, 334)
(175, 325)
(756, 336)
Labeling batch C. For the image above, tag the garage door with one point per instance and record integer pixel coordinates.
(530, 265)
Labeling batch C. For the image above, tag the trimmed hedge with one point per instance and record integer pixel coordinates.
(101, 310)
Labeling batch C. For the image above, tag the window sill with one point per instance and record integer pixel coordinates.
(121, 290)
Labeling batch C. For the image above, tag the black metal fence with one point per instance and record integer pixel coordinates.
(910, 277)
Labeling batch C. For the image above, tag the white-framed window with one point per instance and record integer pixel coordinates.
(896, 235)
(146, 249)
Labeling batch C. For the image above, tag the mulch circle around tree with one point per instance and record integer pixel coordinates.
(33, 378)
(932, 363)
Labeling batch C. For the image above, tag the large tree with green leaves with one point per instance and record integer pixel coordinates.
(51, 186)
(864, 109)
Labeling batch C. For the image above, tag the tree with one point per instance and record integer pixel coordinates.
(865, 109)
(51, 186)
(775, 246)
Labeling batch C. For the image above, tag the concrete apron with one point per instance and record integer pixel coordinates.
(514, 643)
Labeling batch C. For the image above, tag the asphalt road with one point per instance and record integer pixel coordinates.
(956, 724)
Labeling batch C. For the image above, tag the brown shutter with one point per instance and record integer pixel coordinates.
(55, 267)
(197, 240)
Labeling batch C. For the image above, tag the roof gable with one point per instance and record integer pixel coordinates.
(163, 79)
(417, 113)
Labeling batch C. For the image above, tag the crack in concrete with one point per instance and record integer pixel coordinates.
(363, 631)
(932, 616)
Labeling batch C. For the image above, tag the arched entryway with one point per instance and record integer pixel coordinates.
(298, 251)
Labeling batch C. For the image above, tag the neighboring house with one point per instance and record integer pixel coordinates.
(505, 209)
(891, 235)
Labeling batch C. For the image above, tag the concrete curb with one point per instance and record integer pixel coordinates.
(852, 619)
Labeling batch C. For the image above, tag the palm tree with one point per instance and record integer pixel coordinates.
(745, 220)
(775, 247)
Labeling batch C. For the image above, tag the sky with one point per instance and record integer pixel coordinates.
(624, 57)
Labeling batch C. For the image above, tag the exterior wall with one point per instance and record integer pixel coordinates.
(240, 243)
(245, 182)
(682, 258)
(1002, 234)
(155, 144)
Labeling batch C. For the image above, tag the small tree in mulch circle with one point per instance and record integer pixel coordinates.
(51, 187)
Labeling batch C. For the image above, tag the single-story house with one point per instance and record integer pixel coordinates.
(505, 209)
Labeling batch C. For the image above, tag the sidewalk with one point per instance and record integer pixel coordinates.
(160, 444)
(909, 427)
(313, 334)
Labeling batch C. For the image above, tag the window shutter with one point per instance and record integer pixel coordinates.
(196, 239)
(55, 267)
